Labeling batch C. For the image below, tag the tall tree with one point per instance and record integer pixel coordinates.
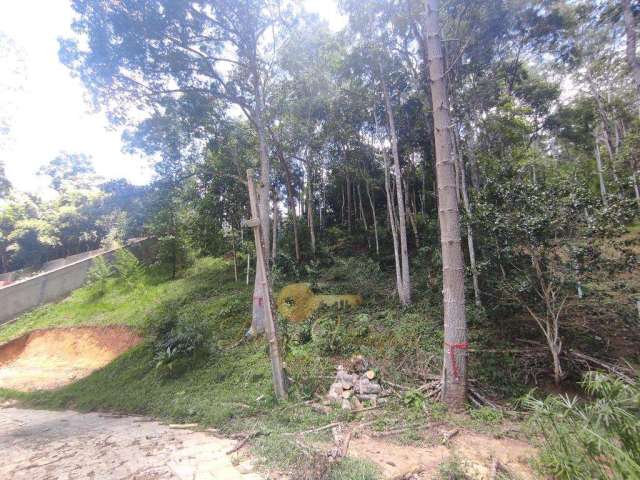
(140, 53)
(454, 379)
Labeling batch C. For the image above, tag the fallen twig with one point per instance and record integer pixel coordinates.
(314, 430)
(181, 426)
(614, 369)
(243, 442)
(448, 435)
(482, 399)
(395, 385)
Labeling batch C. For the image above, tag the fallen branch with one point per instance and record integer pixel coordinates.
(448, 435)
(314, 430)
(481, 399)
(613, 369)
(183, 426)
(243, 442)
(395, 385)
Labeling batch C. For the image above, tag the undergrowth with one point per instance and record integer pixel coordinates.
(195, 366)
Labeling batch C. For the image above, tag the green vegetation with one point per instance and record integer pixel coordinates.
(481, 198)
(197, 318)
(597, 439)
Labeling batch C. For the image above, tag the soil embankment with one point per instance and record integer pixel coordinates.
(50, 358)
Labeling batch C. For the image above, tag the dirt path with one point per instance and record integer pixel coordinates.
(44, 445)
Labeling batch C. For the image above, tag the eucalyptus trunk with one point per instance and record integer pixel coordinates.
(454, 378)
(405, 293)
(603, 187)
(259, 292)
(362, 215)
(373, 216)
(467, 208)
(310, 221)
(392, 221)
(293, 216)
(274, 230)
(349, 202)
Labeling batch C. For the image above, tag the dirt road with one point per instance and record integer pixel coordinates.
(45, 445)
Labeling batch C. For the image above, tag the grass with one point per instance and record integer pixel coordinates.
(119, 306)
(229, 389)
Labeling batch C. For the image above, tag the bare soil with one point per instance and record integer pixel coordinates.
(476, 451)
(43, 445)
(50, 358)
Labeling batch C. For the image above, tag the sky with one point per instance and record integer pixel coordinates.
(46, 109)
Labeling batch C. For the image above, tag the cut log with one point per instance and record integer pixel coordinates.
(370, 374)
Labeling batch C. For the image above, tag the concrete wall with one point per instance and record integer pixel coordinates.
(48, 266)
(27, 294)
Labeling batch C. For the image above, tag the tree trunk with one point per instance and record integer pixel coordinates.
(322, 200)
(373, 216)
(411, 214)
(454, 385)
(257, 323)
(342, 207)
(277, 368)
(235, 255)
(603, 187)
(405, 295)
(248, 266)
(293, 216)
(392, 223)
(558, 373)
(467, 208)
(630, 31)
(610, 151)
(362, 215)
(310, 221)
(349, 203)
(274, 229)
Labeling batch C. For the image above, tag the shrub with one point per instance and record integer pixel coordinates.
(97, 277)
(361, 274)
(285, 268)
(599, 439)
(127, 268)
(414, 399)
(339, 332)
(178, 336)
(612, 220)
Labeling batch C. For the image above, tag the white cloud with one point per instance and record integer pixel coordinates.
(328, 9)
(50, 113)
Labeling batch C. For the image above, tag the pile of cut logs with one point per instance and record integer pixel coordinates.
(351, 389)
